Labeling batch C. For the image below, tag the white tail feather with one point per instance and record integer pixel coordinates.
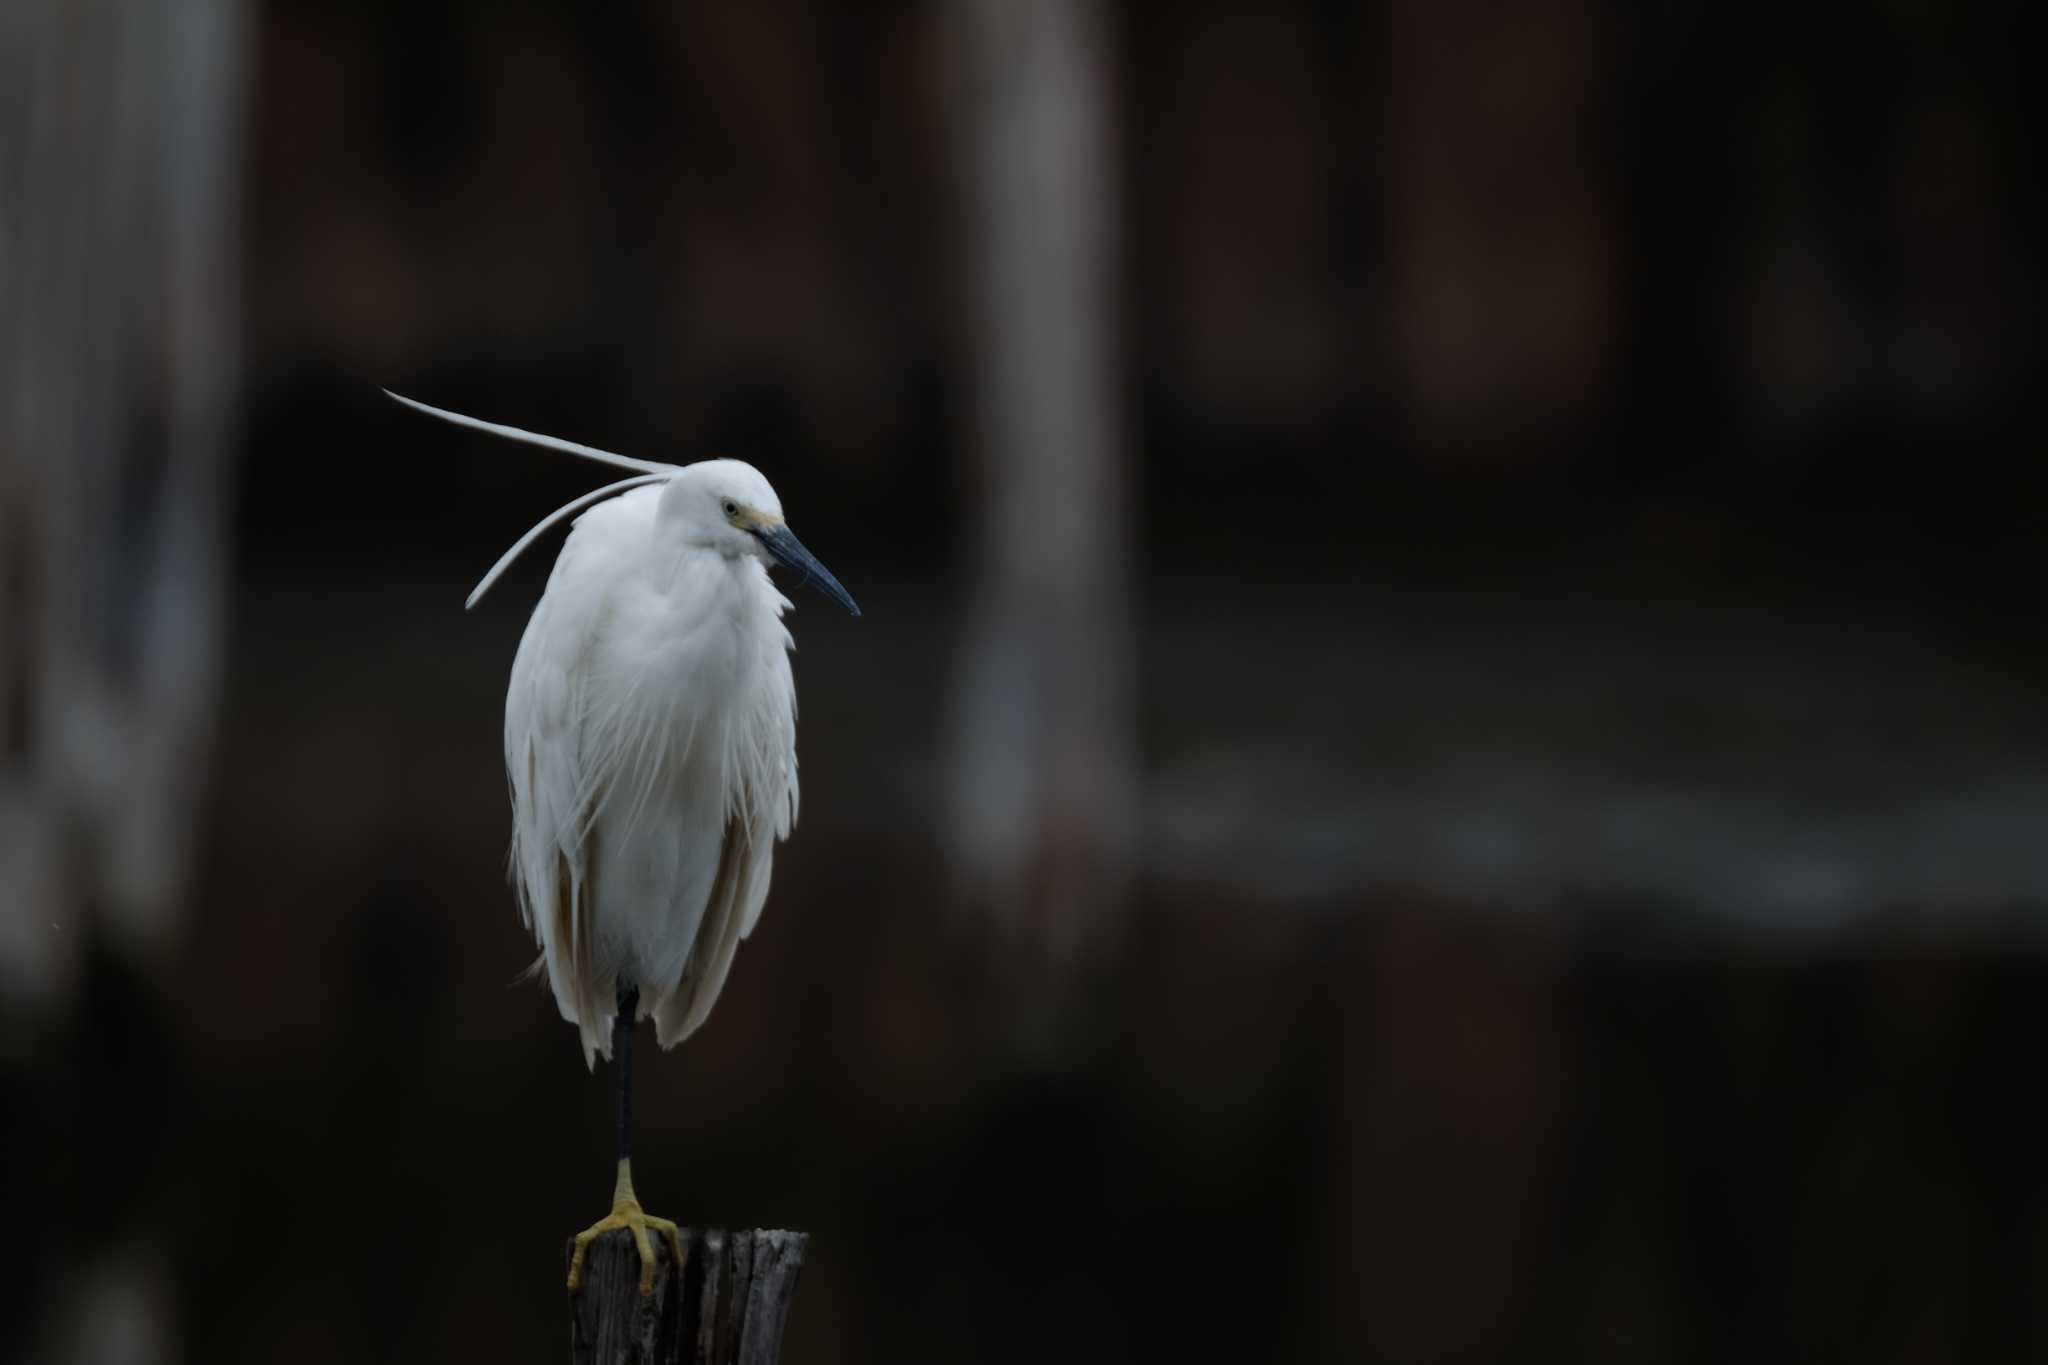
(552, 518)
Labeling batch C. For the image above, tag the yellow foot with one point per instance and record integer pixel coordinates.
(626, 1213)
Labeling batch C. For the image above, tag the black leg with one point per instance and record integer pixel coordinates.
(622, 1060)
(626, 1211)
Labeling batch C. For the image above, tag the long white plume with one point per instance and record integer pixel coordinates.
(534, 438)
(650, 472)
(565, 510)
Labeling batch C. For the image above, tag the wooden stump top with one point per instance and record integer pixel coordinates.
(727, 1308)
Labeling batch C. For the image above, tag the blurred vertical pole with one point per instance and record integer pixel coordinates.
(1043, 811)
(120, 156)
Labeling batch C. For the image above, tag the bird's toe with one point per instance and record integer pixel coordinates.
(630, 1218)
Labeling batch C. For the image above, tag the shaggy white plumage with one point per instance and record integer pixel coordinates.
(650, 735)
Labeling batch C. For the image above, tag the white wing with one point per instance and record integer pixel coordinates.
(553, 789)
(761, 787)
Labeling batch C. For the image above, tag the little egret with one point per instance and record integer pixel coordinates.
(650, 736)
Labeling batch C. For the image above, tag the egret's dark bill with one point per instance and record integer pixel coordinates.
(787, 549)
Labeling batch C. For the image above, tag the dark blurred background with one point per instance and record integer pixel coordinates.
(1445, 759)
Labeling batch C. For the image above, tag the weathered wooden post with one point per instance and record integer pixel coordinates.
(727, 1309)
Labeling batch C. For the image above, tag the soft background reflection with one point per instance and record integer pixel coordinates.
(1446, 759)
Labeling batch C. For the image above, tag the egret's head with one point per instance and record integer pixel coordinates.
(728, 506)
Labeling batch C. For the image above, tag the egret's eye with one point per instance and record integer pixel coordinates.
(732, 509)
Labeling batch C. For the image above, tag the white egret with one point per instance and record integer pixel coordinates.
(650, 737)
